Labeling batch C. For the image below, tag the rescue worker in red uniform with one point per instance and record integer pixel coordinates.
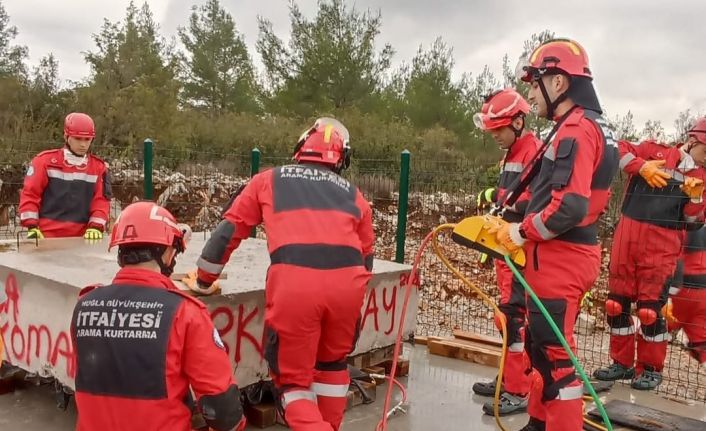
(664, 196)
(503, 116)
(686, 309)
(320, 239)
(142, 345)
(559, 232)
(67, 191)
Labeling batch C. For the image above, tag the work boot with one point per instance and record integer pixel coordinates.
(615, 371)
(647, 381)
(486, 389)
(534, 425)
(509, 404)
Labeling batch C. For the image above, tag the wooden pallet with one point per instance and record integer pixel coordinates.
(476, 348)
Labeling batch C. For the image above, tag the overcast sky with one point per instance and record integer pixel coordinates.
(647, 56)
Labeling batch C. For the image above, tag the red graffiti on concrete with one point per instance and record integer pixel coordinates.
(236, 330)
(25, 344)
(389, 303)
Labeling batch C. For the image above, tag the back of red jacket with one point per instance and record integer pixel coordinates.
(313, 218)
(518, 157)
(62, 199)
(140, 346)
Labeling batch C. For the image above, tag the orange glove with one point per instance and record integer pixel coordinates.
(668, 313)
(693, 187)
(504, 233)
(191, 281)
(652, 173)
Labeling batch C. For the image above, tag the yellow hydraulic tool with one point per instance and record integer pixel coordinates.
(472, 232)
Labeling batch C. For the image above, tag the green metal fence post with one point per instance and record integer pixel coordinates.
(254, 169)
(402, 206)
(147, 159)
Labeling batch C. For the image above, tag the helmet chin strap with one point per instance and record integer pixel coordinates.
(551, 106)
(165, 269)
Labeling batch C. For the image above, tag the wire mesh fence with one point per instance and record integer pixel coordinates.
(196, 185)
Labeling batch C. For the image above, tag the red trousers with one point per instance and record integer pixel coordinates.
(643, 259)
(560, 273)
(312, 322)
(512, 304)
(690, 311)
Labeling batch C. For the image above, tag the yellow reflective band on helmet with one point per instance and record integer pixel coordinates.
(327, 133)
(575, 49)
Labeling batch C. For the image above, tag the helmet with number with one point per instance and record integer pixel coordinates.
(79, 125)
(500, 109)
(555, 56)
(146, 223)
(327, 141)
(698, 130)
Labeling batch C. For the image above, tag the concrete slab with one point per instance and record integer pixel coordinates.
(42, 284)
(439, 391)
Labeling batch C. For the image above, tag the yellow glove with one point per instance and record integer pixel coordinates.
(652, 173)
(192, 282)
(507, 235)
(486, 198)
(668, 313)
(35, 233)
(693, 187)
(93, 234)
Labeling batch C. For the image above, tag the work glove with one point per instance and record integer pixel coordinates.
(668, 313)
(508, 235)
(486, 198)
(93, 234)
(652, 173)
(694, 188)
(34, 233)
(199, 286)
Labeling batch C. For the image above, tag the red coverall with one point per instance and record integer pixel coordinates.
(320, 238)
(64, 200)
(563, 256)
(512, 295)
(689, 302)
(140, 343)
(646, 246)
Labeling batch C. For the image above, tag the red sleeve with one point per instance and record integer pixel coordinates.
(31, 197)
(366, 232)
(575, 155)
(204, 359)
(238, 221)
(633, 156)
(100, 205)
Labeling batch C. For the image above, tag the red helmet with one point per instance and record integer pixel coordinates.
(554, 56)
(500, 108)
(325, 142)
(698, 130)
(79, 125)
(146, 223)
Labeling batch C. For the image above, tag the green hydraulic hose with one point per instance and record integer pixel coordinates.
(564, 344)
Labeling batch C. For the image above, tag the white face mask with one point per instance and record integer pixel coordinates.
(74, 160)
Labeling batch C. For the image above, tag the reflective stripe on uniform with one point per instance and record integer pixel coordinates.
(27, 215)
(516, 347)
(291, 396)
(98, 220)
(659, 338)
(72, 176)
(627, 158)
(329, 390)
(513, 167)
(570, 393)
(211, 268)
(628, 330)
(542, 229)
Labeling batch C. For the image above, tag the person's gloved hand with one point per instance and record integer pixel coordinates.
(486, 198)
(34, 233)
(694, 188)
(668, 313)
(507, 235)
(652, 173)
(199, 286)
(93, 234)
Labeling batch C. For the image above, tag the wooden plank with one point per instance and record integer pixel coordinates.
(402, 367)
(421, 340)
(479, 338)
(643, 418)
(467, 351)
(261, 415)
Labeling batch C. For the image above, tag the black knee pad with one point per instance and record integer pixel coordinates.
(659, 326)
